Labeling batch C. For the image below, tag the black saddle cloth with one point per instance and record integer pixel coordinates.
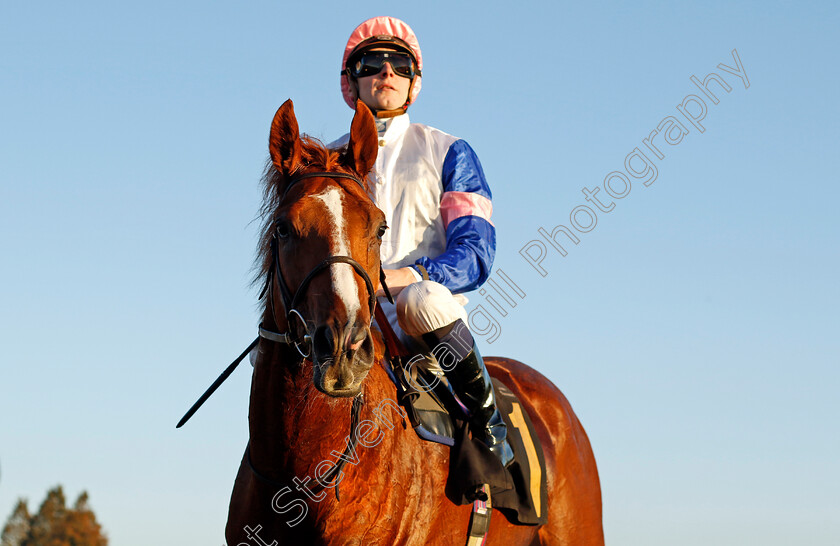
(518, 491)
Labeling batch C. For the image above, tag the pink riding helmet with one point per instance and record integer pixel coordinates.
(381, 26)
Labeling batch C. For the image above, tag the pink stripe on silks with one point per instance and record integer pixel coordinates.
(456, 204)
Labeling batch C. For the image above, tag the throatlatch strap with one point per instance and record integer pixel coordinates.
(480, 520)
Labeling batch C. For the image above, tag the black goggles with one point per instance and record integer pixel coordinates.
(370, 63)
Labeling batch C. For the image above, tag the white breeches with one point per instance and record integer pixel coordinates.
(423, 307)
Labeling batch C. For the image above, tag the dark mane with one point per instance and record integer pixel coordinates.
(315, 156)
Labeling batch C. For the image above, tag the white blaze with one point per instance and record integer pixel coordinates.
(342, 275)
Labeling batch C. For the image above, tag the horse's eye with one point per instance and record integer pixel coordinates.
(283, 230)
(381, 232)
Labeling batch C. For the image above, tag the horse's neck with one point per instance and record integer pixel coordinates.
(294, 427)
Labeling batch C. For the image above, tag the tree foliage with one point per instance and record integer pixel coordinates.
(54, 524)
(17, 526)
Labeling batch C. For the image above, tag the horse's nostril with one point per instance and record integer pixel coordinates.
(326, 341)
(323, 340)
(355, 346)
(356, 337)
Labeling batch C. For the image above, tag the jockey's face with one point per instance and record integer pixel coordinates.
(384, 91)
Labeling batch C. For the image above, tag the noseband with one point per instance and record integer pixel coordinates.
(290, 302)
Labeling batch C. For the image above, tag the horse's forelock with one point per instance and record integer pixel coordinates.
(314, 157)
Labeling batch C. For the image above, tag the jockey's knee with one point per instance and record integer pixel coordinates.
(426, 306)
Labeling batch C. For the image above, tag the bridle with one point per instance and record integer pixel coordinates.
(290, 302)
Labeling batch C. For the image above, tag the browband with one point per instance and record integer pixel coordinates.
(300, 177)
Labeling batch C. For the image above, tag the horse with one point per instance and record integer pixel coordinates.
(318, 258)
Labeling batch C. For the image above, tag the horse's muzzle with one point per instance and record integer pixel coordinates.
(342, 358)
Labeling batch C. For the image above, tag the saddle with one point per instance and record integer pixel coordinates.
(436, 415)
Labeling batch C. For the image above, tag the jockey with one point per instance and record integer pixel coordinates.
(437, 203)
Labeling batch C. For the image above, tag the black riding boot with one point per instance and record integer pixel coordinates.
(456, 352)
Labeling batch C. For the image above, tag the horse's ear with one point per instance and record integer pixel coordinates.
(284, 139)
(362, 147)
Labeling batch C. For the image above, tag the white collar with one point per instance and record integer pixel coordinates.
(391, 128)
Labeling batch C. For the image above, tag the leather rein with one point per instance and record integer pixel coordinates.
(300, 338)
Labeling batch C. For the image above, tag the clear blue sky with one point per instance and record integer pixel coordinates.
(694, 329)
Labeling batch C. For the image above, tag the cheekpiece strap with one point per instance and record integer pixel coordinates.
(275, 336)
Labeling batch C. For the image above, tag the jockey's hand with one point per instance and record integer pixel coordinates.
(397, 279)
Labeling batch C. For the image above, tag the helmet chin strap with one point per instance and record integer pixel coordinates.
(384, 114)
